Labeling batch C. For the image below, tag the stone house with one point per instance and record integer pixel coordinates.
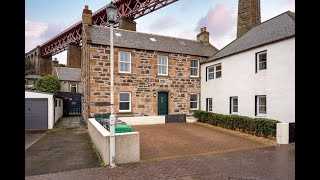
(153, 74)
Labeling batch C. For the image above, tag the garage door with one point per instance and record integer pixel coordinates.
(36, 113)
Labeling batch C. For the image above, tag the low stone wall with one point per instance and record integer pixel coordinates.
(143, 120)
(127, 144)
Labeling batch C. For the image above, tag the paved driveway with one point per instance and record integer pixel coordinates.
(172, 140)
(66, 147)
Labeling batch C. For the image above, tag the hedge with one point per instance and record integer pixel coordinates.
(256, 126)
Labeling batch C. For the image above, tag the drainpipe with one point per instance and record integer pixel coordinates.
(88, 70)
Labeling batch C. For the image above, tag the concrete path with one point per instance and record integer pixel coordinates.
(66, 147)
(277, 162)
(32, 136)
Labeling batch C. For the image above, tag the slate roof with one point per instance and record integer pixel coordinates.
(68, 74)
(275, 29)
(138, 40)
(32, 76)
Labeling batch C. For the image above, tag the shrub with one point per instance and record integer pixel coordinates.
(48, 83)
(256, 126)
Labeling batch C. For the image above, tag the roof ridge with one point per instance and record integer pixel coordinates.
(147, 33)
(249, 31)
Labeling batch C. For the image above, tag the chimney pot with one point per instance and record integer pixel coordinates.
(204, 29)
(86, 7)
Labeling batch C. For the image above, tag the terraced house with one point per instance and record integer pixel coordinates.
(153, 74)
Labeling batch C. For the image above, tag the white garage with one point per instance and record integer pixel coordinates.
(42, 110)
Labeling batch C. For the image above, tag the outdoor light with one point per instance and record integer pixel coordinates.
(112, 18)
(154, 95)
(112, 13)
(171, 95)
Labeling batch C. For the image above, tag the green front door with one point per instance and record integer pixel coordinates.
(162, 103)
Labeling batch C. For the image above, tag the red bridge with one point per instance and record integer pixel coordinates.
(132, 9)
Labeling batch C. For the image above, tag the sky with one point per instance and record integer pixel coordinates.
(184, 18)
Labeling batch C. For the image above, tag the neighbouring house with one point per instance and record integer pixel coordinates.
(42, 110)
(153, 74)
(70, 78)
(31, 79)
(255, 74)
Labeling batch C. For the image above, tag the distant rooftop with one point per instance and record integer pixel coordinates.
(32, 76)
(68, 74)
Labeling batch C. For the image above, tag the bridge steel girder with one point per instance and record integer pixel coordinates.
(132, 9)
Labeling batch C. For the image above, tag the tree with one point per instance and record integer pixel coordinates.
(48, 83)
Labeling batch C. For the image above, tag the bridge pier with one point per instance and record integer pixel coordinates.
(74, 56)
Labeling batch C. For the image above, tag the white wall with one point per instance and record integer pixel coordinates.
(50, 104)
(58, 111)
(277, 82)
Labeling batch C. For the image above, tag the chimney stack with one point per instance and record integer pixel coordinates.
(248, 15)
(127, 24)
(86, 22)
(203, 36)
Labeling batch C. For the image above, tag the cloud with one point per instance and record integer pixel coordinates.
(220, 21)
(37, 33)
(187, 34)
(162, 23)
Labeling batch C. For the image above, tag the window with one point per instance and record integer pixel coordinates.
(55, 103)
(214, 71)
(234, 105)
(162, 65)
(261, 105)
(124, 102)
(261, 61)
(73, 88)
(194, 72)
(194, 101)
(209, 104)
(124, 62)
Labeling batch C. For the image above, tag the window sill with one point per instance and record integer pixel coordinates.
(261, 115)
(195, 109)
(122, 72)
(194, 76)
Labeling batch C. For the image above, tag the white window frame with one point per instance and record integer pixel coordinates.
(214, 72)
(161, 65)
(258, 105)
(194, 101)
(231, 104)
(129, 110)
(72, 85)
(119, 62)
(194, 68)
(258, 61)
(208, 104)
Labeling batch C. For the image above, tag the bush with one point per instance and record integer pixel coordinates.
(48, 83)
(256, 126)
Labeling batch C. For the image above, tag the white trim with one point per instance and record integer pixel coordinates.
(231, 103)
(124, 101)
(124, 62)
(72, 85)
(258, 61)
(198, 68)
(163, 65)
(258, 113)
(214, 66)
(207, 104)
(194, 101)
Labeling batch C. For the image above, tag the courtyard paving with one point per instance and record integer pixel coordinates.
(172, 140)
